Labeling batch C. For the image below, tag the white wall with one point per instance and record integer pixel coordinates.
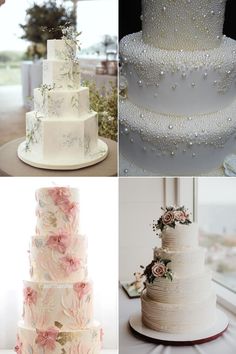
(99, 217)
(140, 203)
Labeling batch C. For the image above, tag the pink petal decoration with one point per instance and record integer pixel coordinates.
(30, 296)
(82, 289)
(47, 339)
(18, 346)
(70, 264)
(59, 241)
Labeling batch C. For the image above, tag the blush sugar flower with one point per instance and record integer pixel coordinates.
(18, 346)
(59, 195)
(30, 296)
(70, 264)
(47, 339)
(158, 269)
(59, 241)
(82, 289)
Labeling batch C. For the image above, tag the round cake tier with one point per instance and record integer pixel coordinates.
(59, 256)
(57, 211)
(183, 24)
(182, 237)
(183, 264)
(180, 290)
(62, 104)
(178, 82)
(176, 146)
(178, 318)
(56, 341)
(70, 305)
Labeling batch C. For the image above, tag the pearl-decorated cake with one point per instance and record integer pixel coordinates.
(178, 295)
(58, 298)
(177, 113)
(62, 130)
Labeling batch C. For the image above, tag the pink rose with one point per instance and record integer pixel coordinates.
(59, 241)
(158, 270)
(180, 216)
(168, 218)
(30, 296)
(18, 346)
(70, 264)
(82, 289)
(47, 339)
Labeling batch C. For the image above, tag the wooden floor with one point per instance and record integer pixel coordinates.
(12, 113)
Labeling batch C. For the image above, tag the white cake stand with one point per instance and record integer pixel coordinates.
(35, 161)
(208, 335)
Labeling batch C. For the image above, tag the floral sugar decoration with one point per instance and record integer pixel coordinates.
(171, 217)
(158, 268)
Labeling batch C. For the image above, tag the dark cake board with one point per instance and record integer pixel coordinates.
(145, 333)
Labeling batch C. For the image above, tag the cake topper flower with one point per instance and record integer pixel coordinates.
(158, 268)
(172, 216)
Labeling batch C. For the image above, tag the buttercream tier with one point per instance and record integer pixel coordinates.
(61, 49)
(183, 24)
(58, 257)
(63, 104)
(183, 264)
(61, 141)
(178, 318)
(181, 238)
(176, 145)
(61, 74)
(179, 83)
(180, 290)
(57, 211)
(70, 304)
(56, 341)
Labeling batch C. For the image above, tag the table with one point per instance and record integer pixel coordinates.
(129, 344)
(11, 165)
(31, 77)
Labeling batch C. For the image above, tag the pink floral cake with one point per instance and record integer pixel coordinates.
(58, 300)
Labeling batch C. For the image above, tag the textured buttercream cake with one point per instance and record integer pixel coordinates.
(178, 297)
(178, 114)
(58, 298)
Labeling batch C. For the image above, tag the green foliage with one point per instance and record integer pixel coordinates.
(45, 22)
(105, 104)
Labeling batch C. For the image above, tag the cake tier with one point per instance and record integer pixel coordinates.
(58, 257)
(68, 304)
(185, 263)
(58, 140)
(61, 49)
(63, 104)
(57, 214)
(178, 82)
(56, 341)
(176, 146)
(178, 318)
(180, 290)
(61, 74)
(181, 238)
(183, 24)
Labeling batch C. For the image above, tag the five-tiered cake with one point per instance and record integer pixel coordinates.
(178, 297)
(179, 114)
(58, 299)
(62, 130)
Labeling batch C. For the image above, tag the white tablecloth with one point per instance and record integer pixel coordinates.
(129, 344)
(31, 77)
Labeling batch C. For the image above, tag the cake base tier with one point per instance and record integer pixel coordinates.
(219, 327)
(176, 145)
(36, 161)
(70, 342)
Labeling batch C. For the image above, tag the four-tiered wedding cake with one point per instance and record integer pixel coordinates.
(179, 114)
(62, 131)
(178, 297)
(58, 300)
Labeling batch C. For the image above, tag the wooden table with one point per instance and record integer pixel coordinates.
(11, 165)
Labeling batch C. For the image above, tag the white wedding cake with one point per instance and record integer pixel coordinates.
(58, 299)
(178, 116)
(62, 130)
(178, 297)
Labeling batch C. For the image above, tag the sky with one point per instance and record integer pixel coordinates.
(95, 18)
